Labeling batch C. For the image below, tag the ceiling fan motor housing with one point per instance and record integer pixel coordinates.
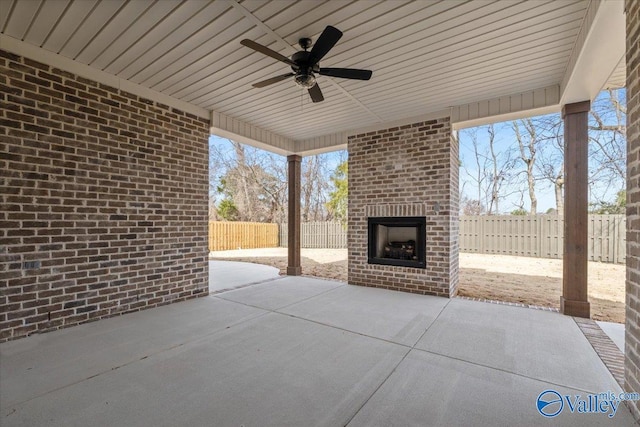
(305, 43)
(304, 71)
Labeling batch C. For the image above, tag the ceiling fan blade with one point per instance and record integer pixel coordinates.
(346, 73)
(325, 42)
(266, 51)
(272, 80)
(315, 93)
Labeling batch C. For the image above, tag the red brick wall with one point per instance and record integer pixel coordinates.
(409, 170)
(104, 200)
(632, 336)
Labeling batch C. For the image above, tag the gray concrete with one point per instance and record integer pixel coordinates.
(225, 275)
(393, 316)
(532, 343)
(38, 364)
(281, 293)
(450, 392)
(300, 351)
(615, 331)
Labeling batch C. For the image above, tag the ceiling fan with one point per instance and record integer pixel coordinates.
(305, 63)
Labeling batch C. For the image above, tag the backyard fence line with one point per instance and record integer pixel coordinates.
(539, 236)
(242, 235)
(318, 234)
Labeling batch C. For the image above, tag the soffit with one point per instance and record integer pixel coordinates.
(425, 55)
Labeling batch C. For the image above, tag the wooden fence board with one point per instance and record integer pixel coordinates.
(241, 235)
(330, 235)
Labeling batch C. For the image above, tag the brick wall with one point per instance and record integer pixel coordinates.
(409, 170)
(632, 336)
(104, 200)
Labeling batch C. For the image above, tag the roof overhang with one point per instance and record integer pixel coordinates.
(476, 62)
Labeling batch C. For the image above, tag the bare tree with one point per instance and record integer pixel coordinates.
(253, 183)
(314, 188)
(248, 184)
(607, 148)
(540, 152)
(480, 165)
(550, 162)
(491, 172)
(527, 143)
(472, 207)
(558, 185)
(500, 176)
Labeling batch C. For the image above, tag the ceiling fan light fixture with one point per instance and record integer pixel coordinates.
(306, 62)
(306, 81)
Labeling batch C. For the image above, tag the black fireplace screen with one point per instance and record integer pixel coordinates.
(397, 241)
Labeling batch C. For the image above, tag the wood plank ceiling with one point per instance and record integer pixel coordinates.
(426, 55)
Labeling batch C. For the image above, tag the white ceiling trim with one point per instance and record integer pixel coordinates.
(258, 23)
(618, 78)
(400, 122)
(599, 48)
(322, 144)
(246, 133)
(516, 106)
(293, 50)
(338, 141)
(55, 60)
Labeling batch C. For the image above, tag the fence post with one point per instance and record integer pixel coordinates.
(483, 237)
(539, 237)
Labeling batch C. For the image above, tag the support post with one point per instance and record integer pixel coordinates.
(294, 267)
(574, 301)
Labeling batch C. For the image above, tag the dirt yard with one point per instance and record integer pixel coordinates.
(532, 281)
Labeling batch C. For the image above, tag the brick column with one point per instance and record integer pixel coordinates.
(294, 267)
(632, 327)
(573, 301)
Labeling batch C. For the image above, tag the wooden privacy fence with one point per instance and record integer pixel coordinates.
(331, 235)
(242, 235)
(538, 236)
(541, 236)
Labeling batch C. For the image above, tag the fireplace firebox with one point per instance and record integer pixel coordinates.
(399, 241)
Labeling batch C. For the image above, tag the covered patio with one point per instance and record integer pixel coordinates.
(301, 351)
(107, 107)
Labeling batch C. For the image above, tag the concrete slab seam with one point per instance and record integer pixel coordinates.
(293, 316)
(398, 364)
(147, 356)
(245, 285)
(507, 372)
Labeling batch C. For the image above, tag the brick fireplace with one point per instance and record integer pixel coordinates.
(405, 179)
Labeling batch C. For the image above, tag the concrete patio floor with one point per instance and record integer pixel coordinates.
(300, 352)
(224, 275)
